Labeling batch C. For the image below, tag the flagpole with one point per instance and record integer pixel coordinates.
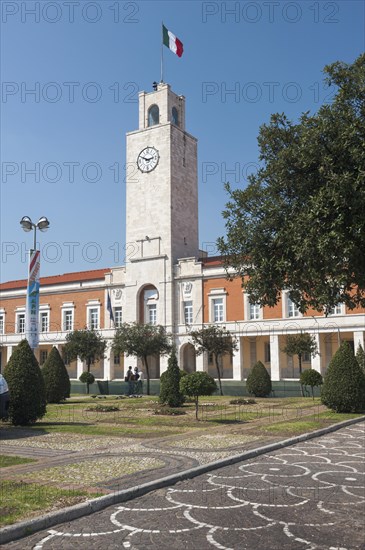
(162, 54)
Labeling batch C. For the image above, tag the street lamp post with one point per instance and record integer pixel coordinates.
(32, 300)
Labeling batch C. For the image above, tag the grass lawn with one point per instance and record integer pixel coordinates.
(6, 460)
(21, 500)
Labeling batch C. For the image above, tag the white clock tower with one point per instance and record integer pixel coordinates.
(161, 206)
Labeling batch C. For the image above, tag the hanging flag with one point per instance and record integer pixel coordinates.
(109, 308)
(32, 301)
(172, 42)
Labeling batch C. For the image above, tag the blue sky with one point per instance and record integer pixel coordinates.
(87, 61)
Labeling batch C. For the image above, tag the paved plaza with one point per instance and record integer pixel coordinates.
(307, 496)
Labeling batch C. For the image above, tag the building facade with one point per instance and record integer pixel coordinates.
(166, 279)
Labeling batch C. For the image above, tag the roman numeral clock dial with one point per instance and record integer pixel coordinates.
(147, 159)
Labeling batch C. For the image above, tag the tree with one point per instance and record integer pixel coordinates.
(142, 341)
(216, 341)
(87, 345)
(343, 388)
(258, 381)
(87, 378)
(312, 378)
(299, 344)
(360, 356)
(300, 224)
(56, 378)
(26, 386)
(170, 383)
(196, 384)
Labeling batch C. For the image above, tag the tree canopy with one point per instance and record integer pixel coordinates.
(142, 341)
(217, 341)
(300, 224)
(86, 344)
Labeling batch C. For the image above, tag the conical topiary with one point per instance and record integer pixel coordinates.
(26, 386)
(343, 389)
(360, 357)
(258, 381)
(56, 378)
(170, 393)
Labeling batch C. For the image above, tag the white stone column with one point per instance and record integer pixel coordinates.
(358, 339)
(200, 363)
(9, 351)
(274, 357)
(108, 364)
(316, 360)
(163, 363)
(237, 363)
(80, 367)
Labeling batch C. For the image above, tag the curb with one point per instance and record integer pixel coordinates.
(29, 527)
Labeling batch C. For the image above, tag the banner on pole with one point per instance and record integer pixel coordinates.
(32, 303)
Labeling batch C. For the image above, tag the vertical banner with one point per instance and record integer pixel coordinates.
(32, 304)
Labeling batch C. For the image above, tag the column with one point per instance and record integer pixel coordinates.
(200, 362)
(358, 340)
(108, 364)
(9, 351)
(80, 367)
(237, 370)
(316, 360)
(274, 357)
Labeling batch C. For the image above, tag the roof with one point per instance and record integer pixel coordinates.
(212, 261)
(60, 279)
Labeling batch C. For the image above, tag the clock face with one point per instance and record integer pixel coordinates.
(148, 159)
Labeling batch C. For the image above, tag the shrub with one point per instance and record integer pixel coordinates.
(170, 393)
(343, 389)
(87, 378)
(56, 378)
(311, 377)
(242, 401)
(26, 386)
(259, 381)
(196, 384)
(169, 411)
(103, 408)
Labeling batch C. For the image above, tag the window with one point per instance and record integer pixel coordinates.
(43, 356)
(2, 323)
(153, 115)
(175, 116)
(68, 319)
(293, 311)
(255, 311)
(152, 314)
(118, 317)
(218, 314)
(20, 323)
(188, 312)
(116, 359)
(337, 310)
(44, 321)
(93, 320)
(267, 352)
(306, 357)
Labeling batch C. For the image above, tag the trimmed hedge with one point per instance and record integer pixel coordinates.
(258, 381)
(170, 393)
(56, 378)
(26, 386)
(343, 389)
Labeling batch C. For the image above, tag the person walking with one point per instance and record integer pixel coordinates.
(139, 389)
(129, 378)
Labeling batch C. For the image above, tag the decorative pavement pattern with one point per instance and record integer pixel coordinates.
(308, 496)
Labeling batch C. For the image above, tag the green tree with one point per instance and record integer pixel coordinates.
(343, 388)
(258, 381)
(312, 378)
(300, 344)
(216, 341)
(300, 224)
(88, 345)
(142, 341)
(26, 386)
(196, 384)
(87, 378)
(360, 356)
(170, 383)
(56, 378)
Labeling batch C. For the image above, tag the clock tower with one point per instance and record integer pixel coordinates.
(161, 204)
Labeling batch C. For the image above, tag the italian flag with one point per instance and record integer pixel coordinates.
(172, 42)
